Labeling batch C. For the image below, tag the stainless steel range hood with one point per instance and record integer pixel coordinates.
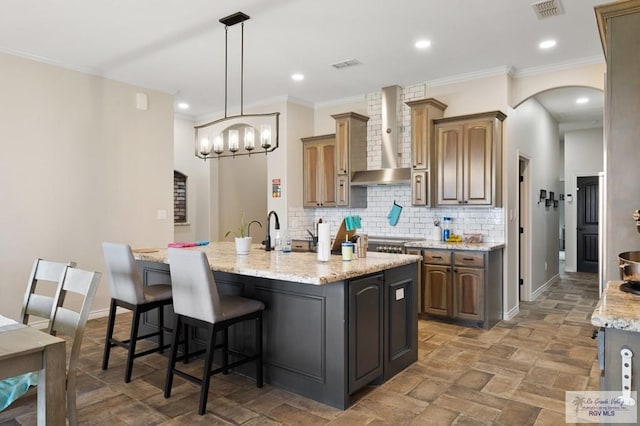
(381, 177)
(389, 173)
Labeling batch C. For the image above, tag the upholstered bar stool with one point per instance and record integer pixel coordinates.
(196, 302)
(128, 291)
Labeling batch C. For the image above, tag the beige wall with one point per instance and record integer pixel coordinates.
(79, 165)
(533, 134)
(197, 171)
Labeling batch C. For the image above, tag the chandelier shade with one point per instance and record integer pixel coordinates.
(238, 135)
(242, 134)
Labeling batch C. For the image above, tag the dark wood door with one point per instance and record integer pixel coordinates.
(587, 224)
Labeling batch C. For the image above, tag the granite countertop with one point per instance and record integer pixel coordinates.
(617, 309)
(433, 244)
(294, 266)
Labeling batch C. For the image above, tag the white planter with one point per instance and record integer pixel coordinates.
(243, 245)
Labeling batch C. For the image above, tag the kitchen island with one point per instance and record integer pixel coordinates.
(330, 328)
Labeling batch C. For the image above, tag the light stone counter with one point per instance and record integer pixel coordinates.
(295, 266)
(617, 309)
(442, 245)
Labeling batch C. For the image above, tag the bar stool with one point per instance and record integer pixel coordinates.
(196, 302)
(128, 291)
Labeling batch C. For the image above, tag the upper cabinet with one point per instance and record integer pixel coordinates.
(329, 161)
(423, 112)
(469, 160)
(351, 142)
(319, 171)
(351, 156)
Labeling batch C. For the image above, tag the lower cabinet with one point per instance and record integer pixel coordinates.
(463, 286)
(383, 326)
(366, 302)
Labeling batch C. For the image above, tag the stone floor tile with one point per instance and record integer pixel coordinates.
(434, 415)
(502, 386)
(516, 413)
(474, 379)
(290, 415)
(549, 418)
(464, 376)
(472, 409)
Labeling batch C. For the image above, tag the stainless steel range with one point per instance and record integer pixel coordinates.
(388, 244)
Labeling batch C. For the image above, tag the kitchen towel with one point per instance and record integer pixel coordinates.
(324, 242)
(394, 214)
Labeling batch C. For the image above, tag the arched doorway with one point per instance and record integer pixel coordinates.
(563, 137)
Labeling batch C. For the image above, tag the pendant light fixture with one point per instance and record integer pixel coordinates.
(241, 134)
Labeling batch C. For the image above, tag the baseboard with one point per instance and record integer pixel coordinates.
(511, 314)
(544, 287)
(101, 313)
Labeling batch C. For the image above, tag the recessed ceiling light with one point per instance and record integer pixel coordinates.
(547, 44)
(422, 44)
(297, 77)
(582, 100)
(183, 105)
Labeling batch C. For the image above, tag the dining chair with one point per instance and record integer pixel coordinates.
(69, 317)
(196, 301)
(128, 291)
(46, 277)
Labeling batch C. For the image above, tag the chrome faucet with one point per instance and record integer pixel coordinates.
(267, 238)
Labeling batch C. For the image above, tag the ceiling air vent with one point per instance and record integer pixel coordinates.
(346, 64)
(547, 8)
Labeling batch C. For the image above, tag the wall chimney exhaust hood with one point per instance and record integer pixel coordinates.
(389, 173)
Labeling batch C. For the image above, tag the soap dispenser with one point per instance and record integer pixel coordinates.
(278, 241)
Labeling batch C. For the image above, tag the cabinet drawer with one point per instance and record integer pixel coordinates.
(437, 257)
(463, 258)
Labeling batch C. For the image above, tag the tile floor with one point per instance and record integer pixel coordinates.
(513, 374)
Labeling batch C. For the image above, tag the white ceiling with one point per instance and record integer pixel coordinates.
(178, 46)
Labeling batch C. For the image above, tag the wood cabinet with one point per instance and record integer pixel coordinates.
(319, 171)
(423, 112)
(469, 160)
(463, 286)
(420, 188)
(351, 156)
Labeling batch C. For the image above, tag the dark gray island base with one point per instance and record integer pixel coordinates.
(327, 341)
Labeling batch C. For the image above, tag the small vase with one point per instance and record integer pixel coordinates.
(243, 245)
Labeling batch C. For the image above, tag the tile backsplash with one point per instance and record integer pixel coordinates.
(415, 222)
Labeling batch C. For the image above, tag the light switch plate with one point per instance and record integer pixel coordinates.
(161, 214)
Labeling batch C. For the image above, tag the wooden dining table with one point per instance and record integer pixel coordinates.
(24, 349)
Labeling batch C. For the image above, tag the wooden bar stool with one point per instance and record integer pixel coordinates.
(196, 302)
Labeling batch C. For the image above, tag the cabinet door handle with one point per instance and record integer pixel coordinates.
(437, 257)
(467, 258)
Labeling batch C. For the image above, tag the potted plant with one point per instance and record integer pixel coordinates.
(242, 237)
